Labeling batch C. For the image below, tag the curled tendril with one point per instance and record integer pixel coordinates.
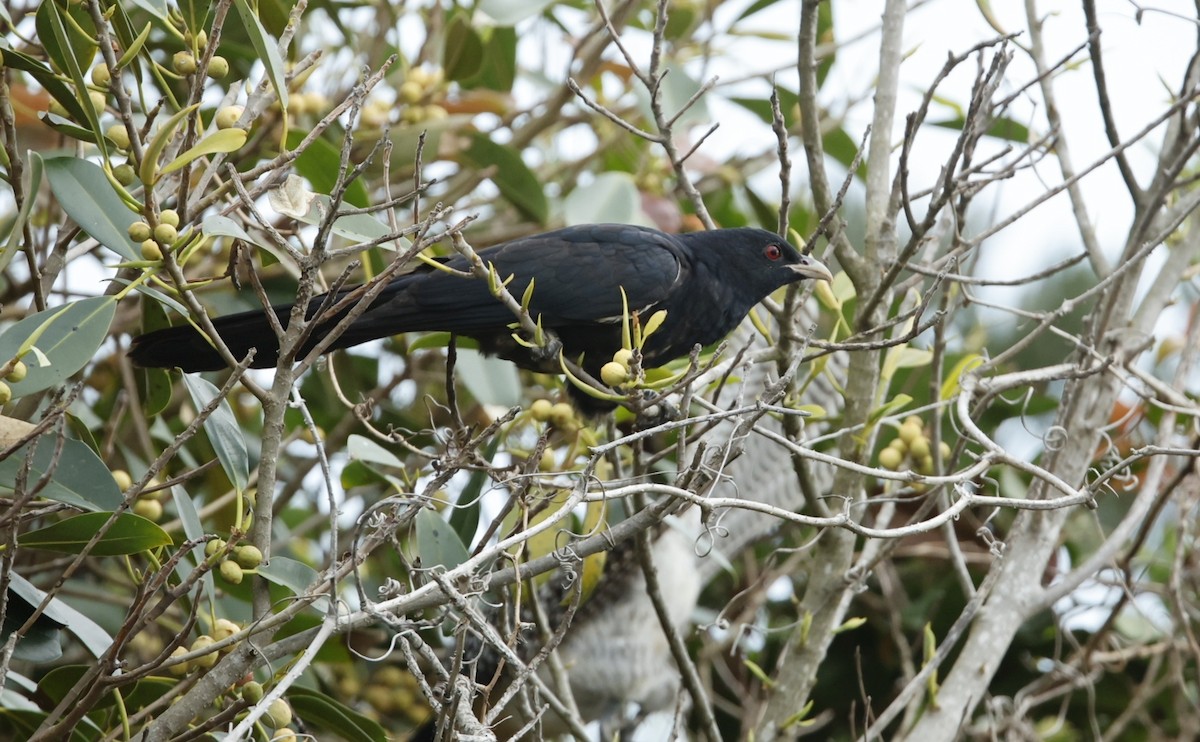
(1055, 437)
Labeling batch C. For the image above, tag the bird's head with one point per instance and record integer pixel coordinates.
(763, 261)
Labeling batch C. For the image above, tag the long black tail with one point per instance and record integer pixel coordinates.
(186, 348)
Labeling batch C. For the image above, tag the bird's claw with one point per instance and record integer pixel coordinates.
(655, 410)
(549, 350)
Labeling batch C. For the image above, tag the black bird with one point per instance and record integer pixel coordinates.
(706, 281)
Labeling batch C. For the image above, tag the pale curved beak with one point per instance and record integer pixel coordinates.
(810, 267)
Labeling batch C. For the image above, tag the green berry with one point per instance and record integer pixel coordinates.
(540, 410)
(148, 508)
(101, 75)
(151, 250)
(184, 63)
(890, 458)
(279, 713)
(227, 117)
(140, 232)
(218, 66)
(248, 556)
(18, 373)
(125, 174)
(253, 691)
(118, 135)
(561, 415)
(614, 374)
(231, 571)
(165, 234)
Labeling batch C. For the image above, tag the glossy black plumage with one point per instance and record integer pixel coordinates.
(706, 281)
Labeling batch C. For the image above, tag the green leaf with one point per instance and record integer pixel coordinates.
(17, 228)
(23, 724)
(437, 543)
(130, 534)
(72, 50)
(364, 449)
(464, 516)
(79, 477)
(517, 183)
(462, 54)
(88, 198)
(1001, 128)
(610, 198)
(45, 77)
(266, 49)
(162, 136)
(326, 713)
(499, 68)
(490, 380)
(224, 140)
(223, 431)
(67, 336)
(965, 364)
(57, 683)
(677, 89)
(512, 12)
(319, 163)
(295, 576)
(90, 633)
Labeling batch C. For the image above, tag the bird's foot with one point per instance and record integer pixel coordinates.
(548, 351)
(654, 410)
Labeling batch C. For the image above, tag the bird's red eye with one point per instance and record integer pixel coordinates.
(772, 252)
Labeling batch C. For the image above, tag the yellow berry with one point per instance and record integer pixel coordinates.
(118, 136)
(122, 478)
(18, 373)
(944, 449)
(540, 410)
(98, 100)
(101, 75)
(248, 556)
(165, 234)
(890, 458)
(919, 447)
(899, 446)
(253, 691)
(279, 713)
(184, 63)
(182, 668)
(148, 509)
(389, 675)
(218, 66)
(169, 216)
(58, 109)
(434, 112)
(5, 393)
(561, 415)
(614, 374)
(910, 431)
(139, 231)
(925, 465)
(214, 547)
(231, 571)
(624, 356)
(205, 660)
(228, 116)
(411, 91)
(125, 174)
(151, 250)
(223, 628)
